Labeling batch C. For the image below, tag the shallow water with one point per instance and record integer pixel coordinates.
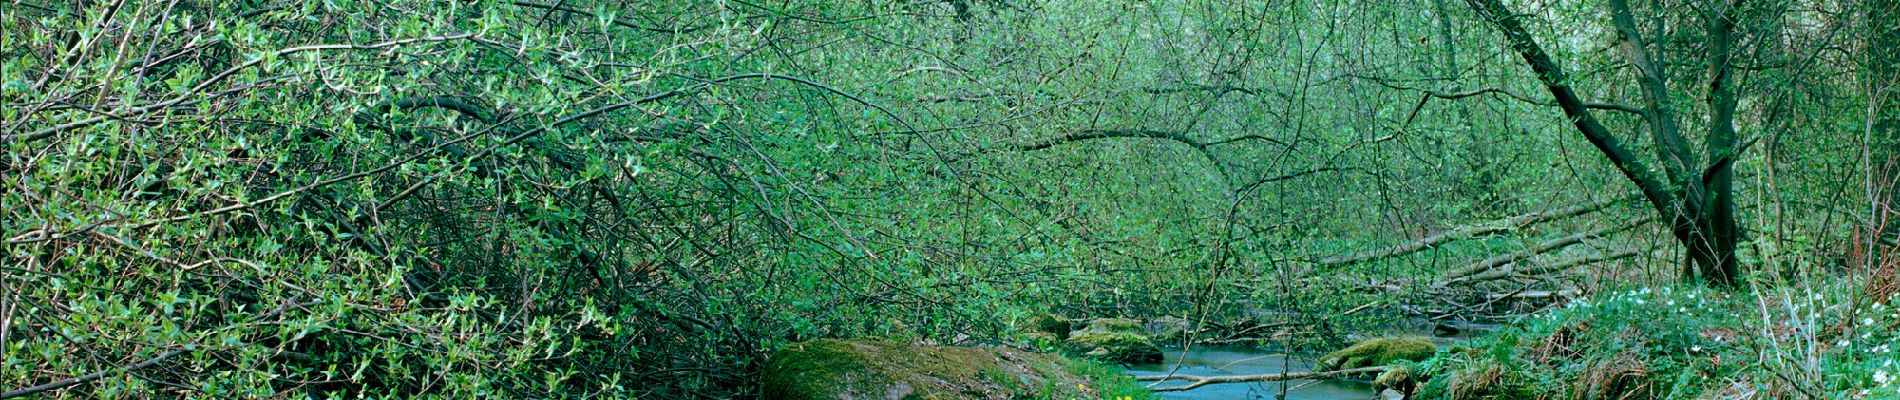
(1215, 361)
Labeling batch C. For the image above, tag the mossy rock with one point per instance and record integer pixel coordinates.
(1376, 352)
(1114, 325)
(1050, 324)
(1398, 378)
(1121, 347)
(880, 369)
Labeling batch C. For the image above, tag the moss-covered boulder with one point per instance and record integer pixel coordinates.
(1375, 352)
(1121, 347)
(1114, 325)
(1051, 324)
(879, 369)
(1398, 379)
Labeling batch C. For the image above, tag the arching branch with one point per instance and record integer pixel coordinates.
(1506, 93)
(1107, 134)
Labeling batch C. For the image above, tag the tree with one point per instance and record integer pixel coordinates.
(1883, 87)
(1695, 198)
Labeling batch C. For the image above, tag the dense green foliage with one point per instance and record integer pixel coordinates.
(566, 198)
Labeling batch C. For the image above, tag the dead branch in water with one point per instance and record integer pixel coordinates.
(1199, 381)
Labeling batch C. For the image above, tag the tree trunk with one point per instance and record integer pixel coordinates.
(1883, 83)
(1716, 221)
(1699, 205)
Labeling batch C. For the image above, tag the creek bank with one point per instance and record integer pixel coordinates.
(882, 369)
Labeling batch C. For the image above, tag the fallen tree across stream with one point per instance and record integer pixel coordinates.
(1552, 245)
(1472, 231)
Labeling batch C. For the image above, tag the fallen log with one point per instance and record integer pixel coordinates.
(1534, 270)
(1470, 231)
(1199, 381)
(1548, 246)
(1537, 295)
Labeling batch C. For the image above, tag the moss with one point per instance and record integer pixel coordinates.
(1398, 378)
(1381, 351)
(1116, 325)
(872, 368)
(1050, 324)
(1116, 347)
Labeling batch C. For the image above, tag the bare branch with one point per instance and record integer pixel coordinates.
(1498, 91)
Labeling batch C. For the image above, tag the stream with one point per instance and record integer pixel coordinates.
(1233, 360)
(1249, 360)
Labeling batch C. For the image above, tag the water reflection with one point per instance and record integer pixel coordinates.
(1216, 361)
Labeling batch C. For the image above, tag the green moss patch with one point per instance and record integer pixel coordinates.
(1376, 352)
(1116, 325)
(1050, 324)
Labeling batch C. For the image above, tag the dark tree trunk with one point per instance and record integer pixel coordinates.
(1883, 82)
(1717, 214)
(1697, 202)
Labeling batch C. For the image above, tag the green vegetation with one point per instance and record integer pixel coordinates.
(1682, 343)
(664, 199)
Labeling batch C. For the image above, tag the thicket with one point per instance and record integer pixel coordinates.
(642, 199)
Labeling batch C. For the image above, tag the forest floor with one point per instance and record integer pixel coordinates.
(1809, 341)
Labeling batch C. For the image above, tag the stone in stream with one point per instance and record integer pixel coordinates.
(1377, 352)
(880, 369)
(1120, 340)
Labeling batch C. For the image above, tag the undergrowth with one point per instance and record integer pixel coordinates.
(1810, 342)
